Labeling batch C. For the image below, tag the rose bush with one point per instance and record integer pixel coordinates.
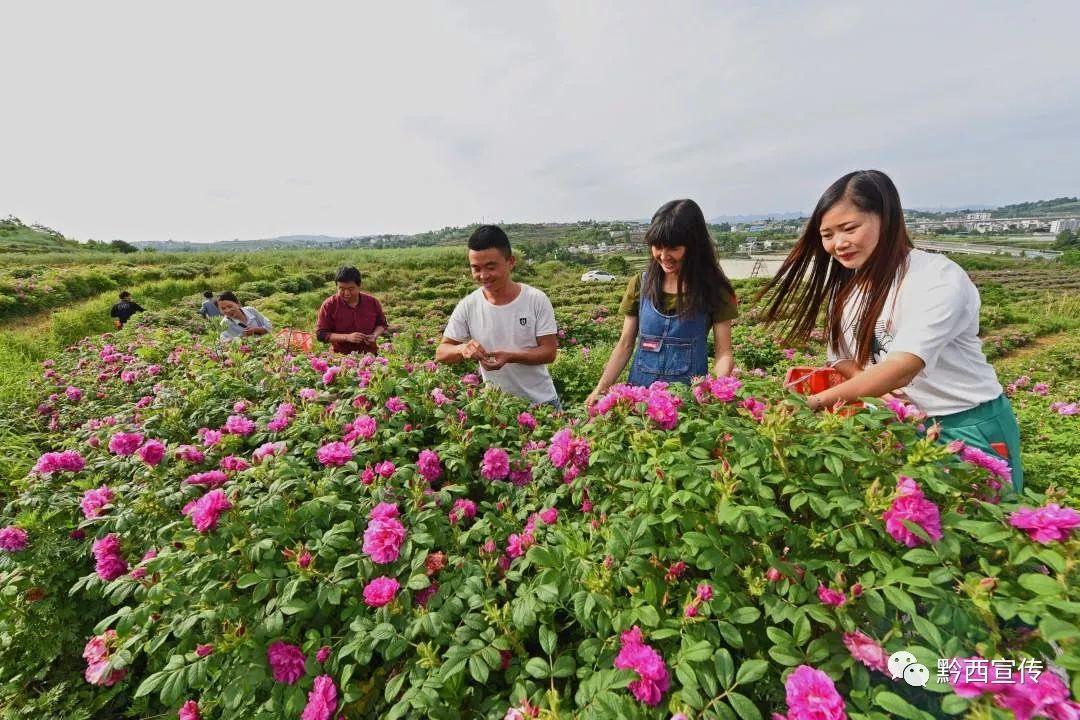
(397, 542)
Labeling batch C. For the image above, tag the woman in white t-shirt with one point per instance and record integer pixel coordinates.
(898, 320)
(240, 321)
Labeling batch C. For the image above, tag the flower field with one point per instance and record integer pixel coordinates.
(207, 531)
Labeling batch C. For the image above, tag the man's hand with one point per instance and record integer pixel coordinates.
(495, 360)
(356, 337)
(473, 350)
(118, 324)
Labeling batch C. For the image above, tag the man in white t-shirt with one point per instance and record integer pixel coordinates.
(507, 327)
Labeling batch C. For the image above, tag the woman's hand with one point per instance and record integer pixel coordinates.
(594, 396)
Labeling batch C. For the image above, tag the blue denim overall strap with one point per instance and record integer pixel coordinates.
(670, 348)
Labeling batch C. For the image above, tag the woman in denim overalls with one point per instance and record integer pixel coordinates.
(670, 308)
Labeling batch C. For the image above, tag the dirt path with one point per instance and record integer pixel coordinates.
(1037, 345)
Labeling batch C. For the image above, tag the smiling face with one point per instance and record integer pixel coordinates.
(670, 258)
(230, 309)
(849, 234)
(491, 269)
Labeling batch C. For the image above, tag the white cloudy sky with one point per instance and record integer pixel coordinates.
(214, 120)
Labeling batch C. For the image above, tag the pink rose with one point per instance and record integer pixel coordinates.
(13, 539)
(380, 591)
(286, 662)
(653, 679)
(909, 504)
(152, 452)
(1047, 524)
(322, 700)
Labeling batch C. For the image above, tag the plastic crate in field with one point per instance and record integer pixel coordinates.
(810, 381)
(294, 339)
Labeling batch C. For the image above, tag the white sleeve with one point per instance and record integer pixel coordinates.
(457, 328)
(260, 319)
(934, 314)
(545, 316)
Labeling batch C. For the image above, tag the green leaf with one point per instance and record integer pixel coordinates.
(921, 556)
(874, 602)
(687, 677)
(537, 668)
(1052, 558)
(1040, 584)
(150, 684)
(899, 599)
(785, 655)
(394, 686)
(541, 556)
(293, 606)
(478, 669)
(564, 666)
(744, 706)
(953, 705)
(697, 652)
(1056, 630)
(248, 580)
(744, 615)
(725, 667)
(419, 581)
(647, 615)
(898, 706)
(751, 671)
(928, 630)
(548, 639)
(383, 631)
(801, 631)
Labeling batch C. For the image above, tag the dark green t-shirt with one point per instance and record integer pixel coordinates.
(629, 305)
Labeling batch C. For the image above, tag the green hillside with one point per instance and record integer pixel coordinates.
(1048, 208)
(15, 237)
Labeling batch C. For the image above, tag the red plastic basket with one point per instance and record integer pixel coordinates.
(809, 381)
(295, 339)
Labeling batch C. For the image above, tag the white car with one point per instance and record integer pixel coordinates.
(597, 276)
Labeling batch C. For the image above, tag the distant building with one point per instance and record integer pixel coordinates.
(1060, 226)
(977, 216)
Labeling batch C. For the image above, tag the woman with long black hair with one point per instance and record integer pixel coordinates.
(670, 308)
(898, 320)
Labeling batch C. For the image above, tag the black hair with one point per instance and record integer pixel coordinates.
(810, 278)
(486, 237)
(208, 294)
(702, 286)
(347, 274)
(228, 295)
(124, 295)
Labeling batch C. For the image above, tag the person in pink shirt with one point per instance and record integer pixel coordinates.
(351, 321)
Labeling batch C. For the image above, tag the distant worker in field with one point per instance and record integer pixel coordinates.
(209, 307)
(351, 321)
(122, 311)
(240, 321)
(670, 308)
(898, 320)
(507, 327)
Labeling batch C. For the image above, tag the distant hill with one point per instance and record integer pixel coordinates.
(742, 219)
(275, 243)
(15, 237)
(1040, 208)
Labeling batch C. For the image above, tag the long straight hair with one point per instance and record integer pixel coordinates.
(702, 286)
(810, 278)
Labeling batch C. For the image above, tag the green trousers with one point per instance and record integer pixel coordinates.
(992, 422)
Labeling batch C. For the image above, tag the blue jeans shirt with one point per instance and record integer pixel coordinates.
(670, 348)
